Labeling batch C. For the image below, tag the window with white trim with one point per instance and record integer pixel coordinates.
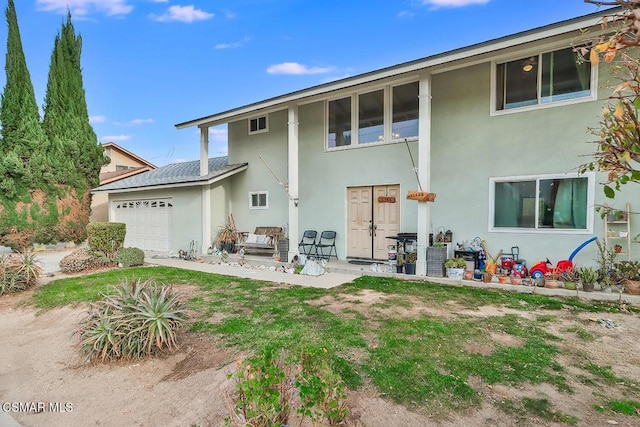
(384, 115)
(258, 124)
(547, 203)
(259, 200)
(549, 77)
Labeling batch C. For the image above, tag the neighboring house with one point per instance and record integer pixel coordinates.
(122, 164)
(497, 131)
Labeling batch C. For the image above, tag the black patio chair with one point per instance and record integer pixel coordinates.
(307, 244)
(327, 240)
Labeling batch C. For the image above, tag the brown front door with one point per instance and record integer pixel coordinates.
(373, 215)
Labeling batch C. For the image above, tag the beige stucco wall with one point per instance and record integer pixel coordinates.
(119, 159)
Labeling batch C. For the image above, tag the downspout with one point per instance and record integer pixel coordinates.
(424, 171)
(292, 147)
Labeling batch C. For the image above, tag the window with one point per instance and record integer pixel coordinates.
(124, 168)
(259, 200)
(340, 122)
(258, 125)
(541, 79)
(545, 203)
(405, 111)
(384, 115)
(371, 117)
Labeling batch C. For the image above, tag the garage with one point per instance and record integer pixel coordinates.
(148, 223)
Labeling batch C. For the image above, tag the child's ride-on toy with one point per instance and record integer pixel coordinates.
(540, 269)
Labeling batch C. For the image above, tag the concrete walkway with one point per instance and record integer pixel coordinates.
(252, 271)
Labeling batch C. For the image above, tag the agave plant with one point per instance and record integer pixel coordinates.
(136, 320)
(18, 272)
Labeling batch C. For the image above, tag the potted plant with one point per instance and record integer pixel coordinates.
(551, 280)
(455, 267)
(487, 277)
(628, 273)
(588, 277)
(400, 263)
(569, 279)
(502, 277)
(515, 279)
(410, 263)
(226, 237)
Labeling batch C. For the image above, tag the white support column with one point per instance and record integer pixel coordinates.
(292, 157)
(424, 171)
(206, 218)
(204, 151)
(206, 191)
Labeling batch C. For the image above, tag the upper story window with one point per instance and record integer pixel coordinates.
(384, 115)
(124, 167)
(541, 79)
(547, 203)
(258, 125)
(259, 200)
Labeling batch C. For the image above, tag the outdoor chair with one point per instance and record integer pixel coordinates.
(307, 244)
(327, 240)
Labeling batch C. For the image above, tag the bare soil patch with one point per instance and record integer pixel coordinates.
(39, 362)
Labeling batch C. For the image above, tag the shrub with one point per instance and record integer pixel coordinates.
(18, 272)
(129, 257)
(106, 238)
(265, 386)
(81, 260)
(137, 320)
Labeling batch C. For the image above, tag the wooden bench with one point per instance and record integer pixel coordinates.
(263, 239)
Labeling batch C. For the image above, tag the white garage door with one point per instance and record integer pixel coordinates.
(148, 223)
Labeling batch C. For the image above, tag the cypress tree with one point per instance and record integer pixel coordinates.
(66, 117)
(24, 144)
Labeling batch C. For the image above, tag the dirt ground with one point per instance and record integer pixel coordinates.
(39, 363)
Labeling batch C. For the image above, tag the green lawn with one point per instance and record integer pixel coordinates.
(413, 343)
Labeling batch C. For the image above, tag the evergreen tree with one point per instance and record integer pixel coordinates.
(24, 144)
(66, 117)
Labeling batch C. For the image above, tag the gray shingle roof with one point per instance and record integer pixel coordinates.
(175, 173)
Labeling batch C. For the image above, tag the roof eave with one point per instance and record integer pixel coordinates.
(422, 64)
(196, 183)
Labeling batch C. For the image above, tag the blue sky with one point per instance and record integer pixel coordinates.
(149, 64)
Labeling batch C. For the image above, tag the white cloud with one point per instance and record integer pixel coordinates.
(134, 122)
(295, 68)
(97, 119)
(452, 3)
(233, 45)
(406, 14)
(115, 138)
(185, 14)
(80, 8)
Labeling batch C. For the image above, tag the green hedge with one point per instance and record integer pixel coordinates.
(106, 238)
(130, 257)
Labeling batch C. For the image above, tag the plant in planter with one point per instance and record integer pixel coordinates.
(455, 267)
(226, 237)
(515, 279)
(410, 263)
(551, 280)
(400, 263)
(588, 277)
(628, 273)
(569, 278)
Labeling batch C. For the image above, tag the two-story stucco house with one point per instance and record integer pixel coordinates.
(496, 130)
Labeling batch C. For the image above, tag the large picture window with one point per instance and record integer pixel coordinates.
(545, 203)
(385, 115)
(541, 79)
